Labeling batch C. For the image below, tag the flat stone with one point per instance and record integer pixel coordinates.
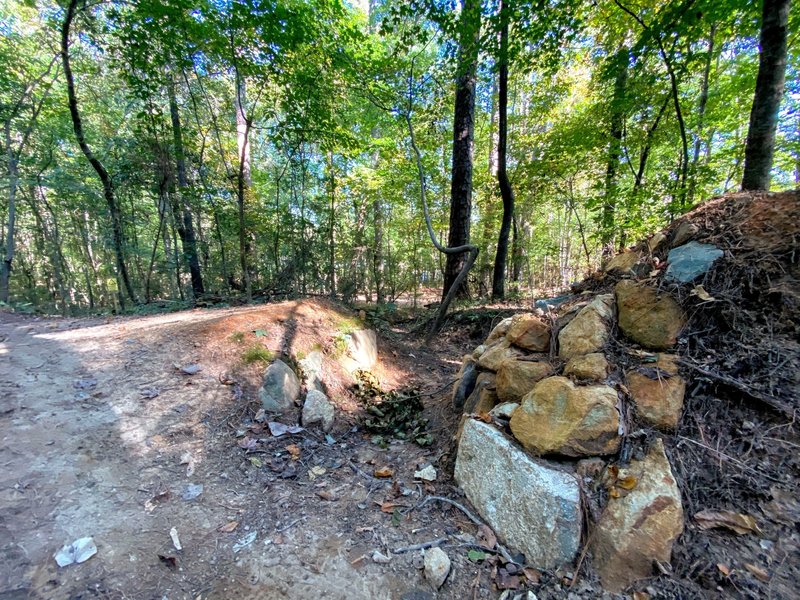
(592, 366)
(589, 330)
(499, 331)
(361, 351)
(465, 383)
(437, 566)
(529, 332)
(505, 410)
(683, 233)
(515, 378)
(532, 506)
(484, 396)
(657, 391)
(318, 409)
(624, 262)
(279, 388)
(639, 527)
(495, 355)
(312, 369)
(652, 320)
(655, 242)
(559, 417)
(688, 262)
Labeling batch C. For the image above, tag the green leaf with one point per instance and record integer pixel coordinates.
(476, 555)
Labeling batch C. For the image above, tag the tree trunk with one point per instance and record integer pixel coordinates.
(767, 99)
(701, 111)
(332, 227)
(243, 181)
(463, 136)
(608, 218)
(13, 180)
(183, 218)
(506, 192)
(108, 186)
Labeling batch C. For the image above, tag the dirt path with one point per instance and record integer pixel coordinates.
(85, 452)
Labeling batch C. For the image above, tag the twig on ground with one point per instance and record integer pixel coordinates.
(290, 525)
(422, 546)
(500, 548)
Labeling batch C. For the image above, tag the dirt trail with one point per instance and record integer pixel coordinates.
(85, 453)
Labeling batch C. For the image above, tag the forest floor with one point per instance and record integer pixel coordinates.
(103, 435)
(109, 426)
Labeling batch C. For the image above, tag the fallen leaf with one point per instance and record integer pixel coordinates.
(384, 472)
(627, 483)
(476, 555)
(327, 495)
(724, 569)
(255, 461)
(532, 575)
(260, 332)
(188, 460)
(279, 429)
(736, 522)
(758, 572)
(701, 293)
(173, 534)
(388, 507)
(485, 417)
(294, 451)
(641, 596)
(315, 472)
(486, 537)
(504, 581)
(247, 443)
(170, 561)
(228, 527)
(614, 492)
(191, 369)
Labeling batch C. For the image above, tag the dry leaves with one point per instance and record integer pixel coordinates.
(228, 527)
(294, 451)
(758, 572)
(736, 522)
(383, 472)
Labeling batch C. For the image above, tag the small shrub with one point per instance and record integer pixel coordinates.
(237, 336)
(256, 354)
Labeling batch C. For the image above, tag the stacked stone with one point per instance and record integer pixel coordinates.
(565, 405)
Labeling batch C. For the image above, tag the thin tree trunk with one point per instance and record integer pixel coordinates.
(332, 227)
(108, 186)
(184, 216)
(506, 192)
(767, 98)
(243, 182)
(608, 219)
(13, 180)
(701, 111)
(463, 136)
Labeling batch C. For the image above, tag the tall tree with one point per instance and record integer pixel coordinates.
(183, 216)
(506, 191)
(767, 99)
(102, 173)
(463, 138)
(619, 68)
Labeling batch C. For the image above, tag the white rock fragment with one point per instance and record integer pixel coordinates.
(437, 566)
(426, 474)
(77, 552)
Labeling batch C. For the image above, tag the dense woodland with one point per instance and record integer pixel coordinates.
(168, 150)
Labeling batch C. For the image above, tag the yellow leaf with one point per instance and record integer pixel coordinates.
(383, 472)
(724, 569)
(294, 450)
(736, 522)
(627, 483)
(701, 293)
(614, 493)
(228, 527)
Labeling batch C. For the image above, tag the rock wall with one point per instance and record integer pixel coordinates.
(572, 385)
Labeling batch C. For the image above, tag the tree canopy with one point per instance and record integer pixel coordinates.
(263, 147)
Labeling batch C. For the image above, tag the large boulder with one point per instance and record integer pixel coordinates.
(497, 354)
(690, 261)
(312, 369)
(484, 396)
(589, 330)
(515, 378)
(638, 527)
(559, 417)
(593, 366)
(529, 332)
(318, 409)
(657, 391)
(651, 319)
(465, 382)
(624, 262)
(532, 506)
(361, 350)
(499, 331)
(279, 388)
